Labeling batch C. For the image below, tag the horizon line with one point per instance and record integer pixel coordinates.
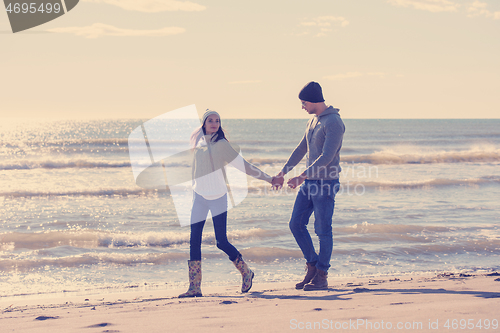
(227, 118)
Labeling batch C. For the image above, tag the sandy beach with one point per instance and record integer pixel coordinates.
(438, 303)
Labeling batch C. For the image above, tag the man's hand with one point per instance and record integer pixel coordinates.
(296, 181)
(277, 181)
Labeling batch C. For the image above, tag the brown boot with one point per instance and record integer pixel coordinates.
(319, 282)
(311, 272)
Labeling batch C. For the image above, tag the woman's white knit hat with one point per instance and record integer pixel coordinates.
(208, 113)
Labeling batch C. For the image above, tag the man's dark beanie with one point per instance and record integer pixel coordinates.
(311, 93)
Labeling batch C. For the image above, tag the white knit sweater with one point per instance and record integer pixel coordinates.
(208, 178)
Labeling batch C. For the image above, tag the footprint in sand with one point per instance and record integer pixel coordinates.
(99, 325)
(227, 302)
(45, 318)
(103, 325)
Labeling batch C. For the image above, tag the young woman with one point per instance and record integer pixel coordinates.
(212, 152)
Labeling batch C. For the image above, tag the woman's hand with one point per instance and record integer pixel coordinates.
(277, 181)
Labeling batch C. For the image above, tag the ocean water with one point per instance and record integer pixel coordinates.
(417, 196)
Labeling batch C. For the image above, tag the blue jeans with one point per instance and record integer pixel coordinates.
(316, 196)
(201, 206)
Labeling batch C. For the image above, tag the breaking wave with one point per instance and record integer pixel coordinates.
(80, 164)
(431, 183)
(101, 239)
(389, 156)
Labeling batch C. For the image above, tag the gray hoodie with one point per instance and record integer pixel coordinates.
(322, 142)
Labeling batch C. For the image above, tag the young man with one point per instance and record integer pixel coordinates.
(320, 182)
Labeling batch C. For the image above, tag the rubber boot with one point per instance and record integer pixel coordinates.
(319, 281)
(311, 272)
(194, 279)
(246, 274)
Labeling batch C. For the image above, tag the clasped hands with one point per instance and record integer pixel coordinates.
(279, 179)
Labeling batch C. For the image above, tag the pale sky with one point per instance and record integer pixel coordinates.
(249, 59)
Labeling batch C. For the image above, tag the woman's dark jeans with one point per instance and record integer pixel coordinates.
(201, 206)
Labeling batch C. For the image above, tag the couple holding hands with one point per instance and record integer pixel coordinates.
(318, 183)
